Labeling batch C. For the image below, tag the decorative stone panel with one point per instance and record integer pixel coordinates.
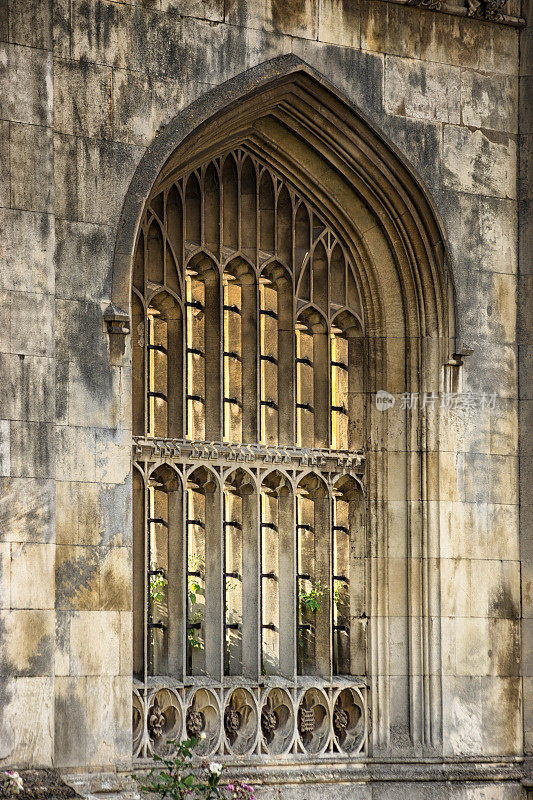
(308, 718)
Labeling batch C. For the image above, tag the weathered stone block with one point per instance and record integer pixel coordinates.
(212, 10)
(27, 643)
(31, 160)
(32, 575)
(422, 90)
(82, 99)
(70, 735)
(113, 456)
(109, 724)
(339, 22)
(525, 358)
(77, 577)
(455, 583)
(319, 791)
(142, 104)
(493, 316)
(26, 239)
(5, 574)
(27, 712)
(80, 335)
(500, 51)
(77, 513)
(74, 453)
(504, 643)
(5, 170)
(492, 368)
(4, 23)
(126, 643)
(30, 23)
(105, 170)
(244, 14)
(353, 71)
(26, 510)
(5, 447)
(398, 644)
(462, 715)
(389, 29)
(25, 84)
(504, 427)
(501, 704)
(100, 408)
(482, 233)
(62, 643)
(463, 530)
(114, 508)
(61, 28)
(115, 578)
(61, 393)
(502, 532)
(65, 176)
(489, 101)
(27, 337)
(94, 643)
(31, 452)
(421, 142)
(451, 40)
(479, 163)
(495, 589)
(27, 387)
(504, 479)
(5, 322)
(504, 790)
(109, 33)
(293, 17)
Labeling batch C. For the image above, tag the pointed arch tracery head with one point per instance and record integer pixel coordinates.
(296, 267)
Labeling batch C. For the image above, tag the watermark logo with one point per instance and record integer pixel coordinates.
(384, 400)
(448, 401)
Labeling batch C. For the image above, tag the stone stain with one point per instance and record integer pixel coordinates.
(502, 604)
(287, 14)
(77, 579)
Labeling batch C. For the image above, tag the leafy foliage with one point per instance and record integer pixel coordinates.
(178, 778)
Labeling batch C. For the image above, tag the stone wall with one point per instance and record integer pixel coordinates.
(85, 86)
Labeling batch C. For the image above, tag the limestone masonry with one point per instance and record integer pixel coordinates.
(266, 392)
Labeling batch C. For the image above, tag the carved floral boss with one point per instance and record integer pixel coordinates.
(310, 722)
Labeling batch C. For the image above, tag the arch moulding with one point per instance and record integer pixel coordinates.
(305, 129)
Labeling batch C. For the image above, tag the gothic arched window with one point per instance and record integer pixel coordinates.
(247, 420)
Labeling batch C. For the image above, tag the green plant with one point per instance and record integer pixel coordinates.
(193, 590)
(195, 642)
(158, 582)
(338, 595)
(178, 778)
(311, 600)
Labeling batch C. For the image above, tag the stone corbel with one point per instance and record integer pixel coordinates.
(462, 351)
(117, 320)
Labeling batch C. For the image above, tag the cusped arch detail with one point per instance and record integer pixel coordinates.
(292, 118)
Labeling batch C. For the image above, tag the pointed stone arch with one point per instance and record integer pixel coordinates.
(292, 119)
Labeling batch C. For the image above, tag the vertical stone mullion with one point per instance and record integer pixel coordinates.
(249, 359)
(286, 364)
(175, 588)
(213, 357)
(323, 572)
(139, 571)
(251, 572)
(287, 585)
(214, 579)
(175, 375)
(321, 388)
